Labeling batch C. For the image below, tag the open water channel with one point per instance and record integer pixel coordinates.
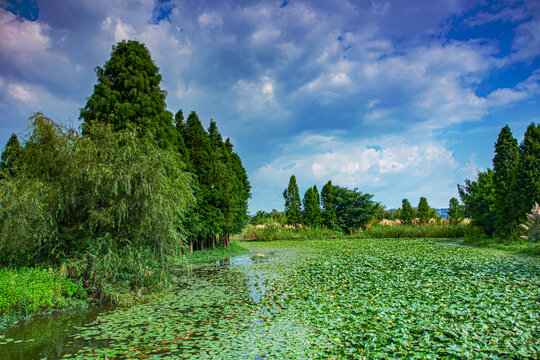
(218, 310)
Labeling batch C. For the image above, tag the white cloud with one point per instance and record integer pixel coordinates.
(210, 19)
(20, 92)
(22, 39)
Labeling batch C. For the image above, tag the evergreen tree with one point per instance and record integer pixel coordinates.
(424, 211)
(292, 202)
(329, 218)
(455, 210)
(127, 94)
(353, 208)
(526, 185)
(504, 164)
(408, 214)
(312, 209)
(9, 157)
(478, 198)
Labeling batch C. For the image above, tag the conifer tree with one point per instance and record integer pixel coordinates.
(504, 164)
(292, 202)
(526, 185)
(407, 212)
(329, 217)
(127, 93)
(312, 209)
(455, 211)
(9, 157)
(424, 210)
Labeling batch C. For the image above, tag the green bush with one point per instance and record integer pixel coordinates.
(417, 231)
(26, 290)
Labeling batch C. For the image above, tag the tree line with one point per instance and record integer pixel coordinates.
(500, 198)
(116, 203)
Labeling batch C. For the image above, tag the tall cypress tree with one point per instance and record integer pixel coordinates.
(312, 209)
(329, 217)
(526, 185)
(292, 202)
(504, 165)
(407, 211)
(424, 211)
(127, 93)
(9, 157)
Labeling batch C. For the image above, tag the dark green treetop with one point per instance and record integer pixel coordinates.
(504, 164)
(526, 185)
(455, 210)
(478, 197)
(292, 202)
(9, 156)
(312, 209)
(407, 212)
(127, 94)
(329, 217)
(424, 210)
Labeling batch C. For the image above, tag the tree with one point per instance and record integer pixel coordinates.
(504, 164)
(292, 202)
(9, 157)
(353, 208)
(312, 208)
(127, 94)
(424, 211)
(329, 217)
(455, 210)
(526, 185)
(408, 214)
(478, 197)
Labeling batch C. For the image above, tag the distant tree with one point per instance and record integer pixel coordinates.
(424, 211)
(329, 217)
(478, 197)
(312, 209)
(455, 210)
(9, 157)
(408, 213)
(127, 94)
(504, 165)
(526, 185)
(353, 208)
(292, 202)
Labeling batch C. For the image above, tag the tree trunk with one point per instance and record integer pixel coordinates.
(213, 242)
(191, 246)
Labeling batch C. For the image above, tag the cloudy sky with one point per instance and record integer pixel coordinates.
(397, 98)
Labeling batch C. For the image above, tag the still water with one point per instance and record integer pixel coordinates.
(218, 310)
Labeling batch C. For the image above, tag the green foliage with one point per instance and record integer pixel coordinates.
(526, 186)
(455, 210)
(312, 209)
(504, 164)
(407, 213)
(24, 291)
(9, 157)
(93, 196)
(127, 94)
(424, 211)
(292, 202)
(219, 253)
(478, 198)
(353, 208)
(329, 216)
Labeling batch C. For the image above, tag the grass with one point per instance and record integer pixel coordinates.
(514, 246)
(27, 291)
(219, 253)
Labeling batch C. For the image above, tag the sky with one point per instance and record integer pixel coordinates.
(400, 99)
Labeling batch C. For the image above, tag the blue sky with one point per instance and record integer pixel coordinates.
(397, 98)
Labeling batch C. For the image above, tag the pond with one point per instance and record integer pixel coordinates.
(315, 299)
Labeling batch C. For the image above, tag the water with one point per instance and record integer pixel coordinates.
(222, 297)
